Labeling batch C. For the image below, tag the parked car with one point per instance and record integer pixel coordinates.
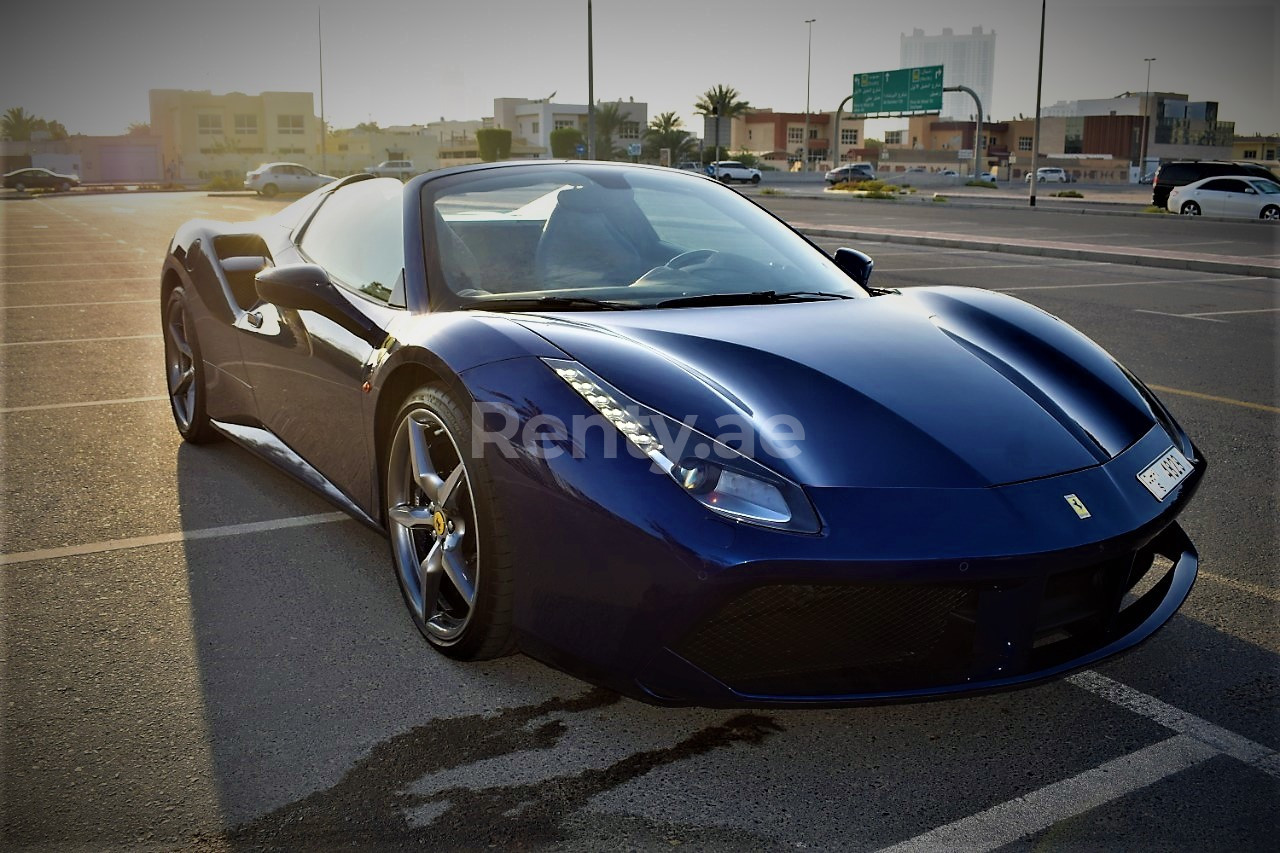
(917, 169)
(270, 179)
(947, 173)
(401, 169)
(689, 166)
(851, 172)
(1251, 198)
(1179, 173)
(986, 176)
(732, 170)
(37, 178)
(1147, 178)
(1049, 175)
(624, 420)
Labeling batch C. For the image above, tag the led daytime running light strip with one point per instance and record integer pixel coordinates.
(604, 403)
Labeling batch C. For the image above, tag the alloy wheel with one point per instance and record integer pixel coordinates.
(432, 521)
(180, 368)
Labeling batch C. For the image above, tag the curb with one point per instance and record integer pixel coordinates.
(1128, 256)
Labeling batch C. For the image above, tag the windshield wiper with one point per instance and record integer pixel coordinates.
(533, 303)
(753, 297)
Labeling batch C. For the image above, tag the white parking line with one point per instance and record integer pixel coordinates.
(1245, 311)
(1020, 817)
(1243, 586)
(47, 406)
(112, 280)
(1232, 279)
(1220, 739)
(80, 304)
(77, 340)
(133, 263)
(165, 538)
(955, 268)
(1183, 316)
(1197, 741)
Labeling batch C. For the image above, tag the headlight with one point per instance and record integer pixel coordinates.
(712, 473)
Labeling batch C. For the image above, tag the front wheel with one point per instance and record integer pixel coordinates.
(448, 544)
(270, 190)
(755, 179)
(1190, 209)
(64, 187)
(184, 371)
(1270, 212)
(20, 187)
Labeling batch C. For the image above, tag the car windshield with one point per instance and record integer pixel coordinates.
(582, 237)
(1268, 187)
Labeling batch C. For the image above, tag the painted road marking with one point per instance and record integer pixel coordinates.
(80, 304)
(1244, 586)
(1136, 281)
(77, 340)
(1020, 817)
(47, 406)
(112, 280)
(165, 538)
(133, 263)
(1220, 739)
(1243, 311)
(1197, 741)
(1182, 316)
(1244, 404)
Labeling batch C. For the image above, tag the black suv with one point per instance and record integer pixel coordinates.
(1178, 173)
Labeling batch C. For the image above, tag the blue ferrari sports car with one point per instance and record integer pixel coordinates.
(624, 420)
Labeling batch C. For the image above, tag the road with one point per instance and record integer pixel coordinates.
(199, 654)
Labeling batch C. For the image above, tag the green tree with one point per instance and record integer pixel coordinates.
(367, 126)
(17, 124)
(139, 128)
(665, 131)
(565, 142)
(609, 118)
(724, 104)
(494, 143)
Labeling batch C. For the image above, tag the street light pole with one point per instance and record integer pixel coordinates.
(591, 91)
(1035, 136)
(808, 68)
(324, 156)
(1146, 110)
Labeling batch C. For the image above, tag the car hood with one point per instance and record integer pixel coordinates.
(933, 388)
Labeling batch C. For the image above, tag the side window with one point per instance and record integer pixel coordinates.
(1234, 186)
(1220, 185)
(358, 236)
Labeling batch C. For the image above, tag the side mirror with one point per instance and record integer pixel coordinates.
(857, 265)
(306, 287)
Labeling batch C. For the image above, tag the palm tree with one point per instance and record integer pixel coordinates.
(17, 124)
(609, 119)
(665, 131)
(722, 102)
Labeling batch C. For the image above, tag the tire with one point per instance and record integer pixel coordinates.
(1190, 208)
(1270, 212)
(270, 190)
(726, 179)
(448, 541)
(20, 187)
(64, 187)
(184, 371)
(755, 179)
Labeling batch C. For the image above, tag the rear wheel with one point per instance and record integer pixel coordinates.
(270, 190)
(64, 187)
(1190, 209)
(448, 544)
(1270, 212)
(20, 187)
(184, 371)
(755, 179)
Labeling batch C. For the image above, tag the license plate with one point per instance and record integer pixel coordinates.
(1163, 475)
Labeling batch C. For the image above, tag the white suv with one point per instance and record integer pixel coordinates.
(1049, 174)
(402, 169)
(732, 170)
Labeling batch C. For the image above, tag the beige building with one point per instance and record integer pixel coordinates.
(204, 135)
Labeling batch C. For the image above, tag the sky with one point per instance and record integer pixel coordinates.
(90, 65)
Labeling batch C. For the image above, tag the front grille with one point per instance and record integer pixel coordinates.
(827, 639)
(845, 639)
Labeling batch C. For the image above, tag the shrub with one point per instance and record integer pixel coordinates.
(1151, 208)
(494, 143)
(565, 142)
(1068, 194)
(771, 191)
(939, 198)
(987, 184)
(223, 183)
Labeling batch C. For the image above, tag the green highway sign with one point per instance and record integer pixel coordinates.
(905, 91)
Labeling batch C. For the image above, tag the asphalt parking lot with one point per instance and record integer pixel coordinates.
(198, 653)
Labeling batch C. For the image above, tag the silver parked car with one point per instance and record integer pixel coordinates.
(270, 179)
(1247, 197)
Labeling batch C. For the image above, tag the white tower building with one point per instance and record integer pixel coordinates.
(967, 60)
